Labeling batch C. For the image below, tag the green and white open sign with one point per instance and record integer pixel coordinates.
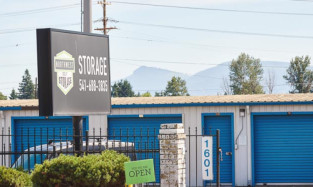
(137, 172)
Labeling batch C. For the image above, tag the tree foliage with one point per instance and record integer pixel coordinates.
(147, 94)
(159, 94)
(299, 76)
(3, 97)
(26, 87)
(176, 87)
(245, 75)
(122, 88)
(13, 95)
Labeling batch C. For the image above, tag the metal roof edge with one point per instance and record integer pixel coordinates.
(210, 104)
(11, 108)
(177, 105)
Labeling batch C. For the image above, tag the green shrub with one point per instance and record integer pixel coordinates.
(105, 169)
(13, 178)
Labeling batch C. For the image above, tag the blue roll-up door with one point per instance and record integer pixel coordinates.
(283, 148)
(32, 131)
(224, 124)
(143, 132)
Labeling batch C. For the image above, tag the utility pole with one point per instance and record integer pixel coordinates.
(81, 15)
(87, 16)
(77, 121)
(104, 17)
(105, 29)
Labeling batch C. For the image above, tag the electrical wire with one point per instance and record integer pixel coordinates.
(219, 31)
(40, 10)
(201, 45)
(9, 31)
(181, 62)
(304, 0)
(15, 30)
(14, 65)
(14, 45)
(215, 9)
(214, 47)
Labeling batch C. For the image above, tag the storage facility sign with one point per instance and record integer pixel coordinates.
(207, 157)
(73, 73)
(137, 172)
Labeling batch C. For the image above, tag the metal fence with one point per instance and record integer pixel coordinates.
(194, 157)
(29, 146)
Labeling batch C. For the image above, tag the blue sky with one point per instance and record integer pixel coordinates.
(154, 43)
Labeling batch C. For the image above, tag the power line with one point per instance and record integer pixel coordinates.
(13, 65)
(14, 45)
(222, 47)
(198, 44)
(215, 9)
(40, 10)
(215, 47)
(304, 0)
(10, 31)
(219, 31)
(181, 62)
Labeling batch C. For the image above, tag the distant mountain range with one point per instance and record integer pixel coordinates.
(206, 82)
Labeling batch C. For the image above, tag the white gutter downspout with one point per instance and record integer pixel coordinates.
(248, 127)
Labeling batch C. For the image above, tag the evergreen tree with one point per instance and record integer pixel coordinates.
(176, 87)
(13, 94)
(245, 75)
(26, 87)
(122, 88)
(3, 97)
(299, 76)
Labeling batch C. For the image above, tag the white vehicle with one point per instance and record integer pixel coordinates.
(40, 153)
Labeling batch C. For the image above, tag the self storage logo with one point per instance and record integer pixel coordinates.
(64, 66)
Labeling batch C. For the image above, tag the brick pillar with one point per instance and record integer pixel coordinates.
(172, 155)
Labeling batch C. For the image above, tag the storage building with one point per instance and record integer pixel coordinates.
(265, 139)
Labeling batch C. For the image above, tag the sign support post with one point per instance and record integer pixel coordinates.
(218, 149)
(78, 120)
(78, 135)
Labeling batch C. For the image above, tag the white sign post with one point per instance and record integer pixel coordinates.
(207, 158)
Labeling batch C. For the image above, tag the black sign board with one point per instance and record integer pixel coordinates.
(73, 73)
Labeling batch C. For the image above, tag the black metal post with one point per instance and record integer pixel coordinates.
(218, 158)
(77, 136)
(196, 145)
(87, 141)
(189, 150)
